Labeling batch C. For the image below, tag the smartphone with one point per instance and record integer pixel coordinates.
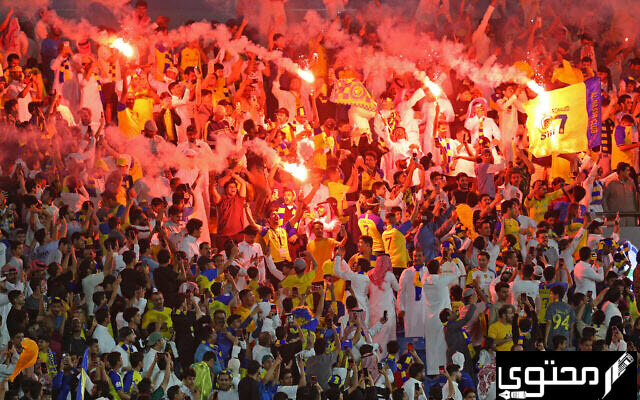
(416, 388)
(410, 346)
(380, 366)
(365, 372)
(314, 379)
(384, 315)
(347, 285)
(590, 294)
(290, 318)
(274, 308)
(523, 297)
(441, 370)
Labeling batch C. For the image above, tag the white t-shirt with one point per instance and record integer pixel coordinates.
(89, 284)
(456, 395)
(290, 391)
(531, 288)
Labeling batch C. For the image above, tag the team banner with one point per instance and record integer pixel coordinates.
(566, 120)
(553, 375)
(352, 92)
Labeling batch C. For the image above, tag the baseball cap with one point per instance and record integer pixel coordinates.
(537, 271)
(468, 292)
(299, 264)
(458, 359)
(154, 338)
(122, 162)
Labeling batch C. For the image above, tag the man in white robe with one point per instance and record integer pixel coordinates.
(410, 297)
(435, 288)
(359, 282)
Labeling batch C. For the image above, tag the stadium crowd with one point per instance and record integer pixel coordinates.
(238, 213)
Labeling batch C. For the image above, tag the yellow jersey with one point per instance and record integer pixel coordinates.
(371, 225)
(395, 244)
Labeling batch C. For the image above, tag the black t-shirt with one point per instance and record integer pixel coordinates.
(130, 279)
(248, 389)
(465, 197)
(166, 280)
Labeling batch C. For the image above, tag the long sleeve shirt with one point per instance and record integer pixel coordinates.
(585, 277)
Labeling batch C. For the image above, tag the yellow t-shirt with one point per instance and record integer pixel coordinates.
(338, 285)
(144, 107)
(395, 245)
(129, 122)
(367, 180)
(189, 58)
(277, 239)
(152, 315)
(321, 250)
(244, 312)
(338, 191)
(537, 208)
(500, 331)
(300, 282)
(368, 226)
(617, 155)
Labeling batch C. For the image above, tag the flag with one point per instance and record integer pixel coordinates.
(352, 92)
(27, 358)
(83, 375)
(565, 120)
(206, 278)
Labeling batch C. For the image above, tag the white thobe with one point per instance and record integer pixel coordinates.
(435, 289)
(359, 285)
(414, 310)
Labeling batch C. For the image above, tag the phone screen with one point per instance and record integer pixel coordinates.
(441, 370)
(410, 346)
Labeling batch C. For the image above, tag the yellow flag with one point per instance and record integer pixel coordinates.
(565, 120)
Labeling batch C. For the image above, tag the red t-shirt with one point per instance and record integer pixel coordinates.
(231, 220)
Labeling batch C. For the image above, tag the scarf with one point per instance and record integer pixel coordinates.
(467, 339)
(403, 367)
(417, 282)
(214, 348)
(377, 274)
(596, 192)
(52, 369)
(64, 74)
(446, 152)
(99, 83)
(126, 348)
(112, 70)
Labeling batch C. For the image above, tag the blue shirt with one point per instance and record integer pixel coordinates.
(425, 239)
(204, 349)
(267, 391)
